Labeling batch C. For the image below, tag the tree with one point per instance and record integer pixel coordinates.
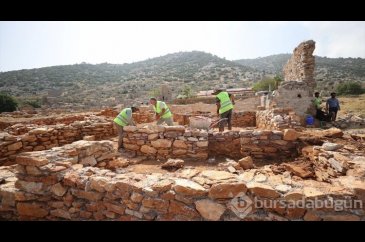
(349, 88)
(265, 84)
(278, 80)
(187, 92)
(7, 103)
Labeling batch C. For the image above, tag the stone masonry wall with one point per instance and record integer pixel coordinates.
(44, 138)
(145, 115)
(277, 119)
(268, 144)
(160, 142)
(239, 119)
(68, 119)
(41, 176)
(226, 144)
(294, 95)
(61, 184)
(300, 67)
(244, 119)
(182, 119)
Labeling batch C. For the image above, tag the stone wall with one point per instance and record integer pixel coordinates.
(244, 119)
(278, 119)
(42, 138)
(181, 115)
(196, 108)
(68, 119)
(61, 184)
(145, 115)
(162, 142)
(181, 119)
(294, 95)
(109, 112)
(41, 178)
(226, 144)
(239, 119)
(300, 67)
(269, 145)
(206, 100)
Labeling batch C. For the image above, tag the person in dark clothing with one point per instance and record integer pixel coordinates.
(333, 106)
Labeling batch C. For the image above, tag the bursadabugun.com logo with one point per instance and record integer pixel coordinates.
(242, 205)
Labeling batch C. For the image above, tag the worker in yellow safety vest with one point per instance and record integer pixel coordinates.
(163, 113)
(124, 118)
(224, 102)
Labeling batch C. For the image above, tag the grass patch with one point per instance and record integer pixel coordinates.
(353, 104)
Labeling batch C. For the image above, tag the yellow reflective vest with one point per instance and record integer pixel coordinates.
(122, 118)
(158, 110)
(225, 102)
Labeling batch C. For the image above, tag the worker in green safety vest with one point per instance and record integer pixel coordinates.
(124, 118)
(163, 113)
(317, 101)
(224, 102)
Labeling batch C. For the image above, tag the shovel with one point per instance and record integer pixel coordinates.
(216, 122)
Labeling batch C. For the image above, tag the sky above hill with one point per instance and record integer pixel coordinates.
(25, 45)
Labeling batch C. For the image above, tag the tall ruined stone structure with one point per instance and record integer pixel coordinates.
(300, 67)
(296, 91)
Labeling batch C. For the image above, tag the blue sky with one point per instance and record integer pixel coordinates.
(25, 45)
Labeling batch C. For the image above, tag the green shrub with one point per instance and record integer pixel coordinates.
(187, 92)
(7, 103)
(349, 88)
(33, 103)
(264, 84)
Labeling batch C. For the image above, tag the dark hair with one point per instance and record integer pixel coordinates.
(134, 109)
(316, 93)
(333, 93)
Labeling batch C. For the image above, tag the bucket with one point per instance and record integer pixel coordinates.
(309, 120)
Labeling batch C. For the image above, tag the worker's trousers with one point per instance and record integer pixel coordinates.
(168, 121)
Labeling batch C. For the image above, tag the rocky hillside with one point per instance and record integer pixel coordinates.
(86, 85)
(110, 84)
(328, 71)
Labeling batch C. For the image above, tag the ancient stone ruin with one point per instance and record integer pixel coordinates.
(294, 95)
(300, 67)
(68, 168)
(73, 177)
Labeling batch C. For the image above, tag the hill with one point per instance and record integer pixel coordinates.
(86, 85)
(110, 84)
(328, 73)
